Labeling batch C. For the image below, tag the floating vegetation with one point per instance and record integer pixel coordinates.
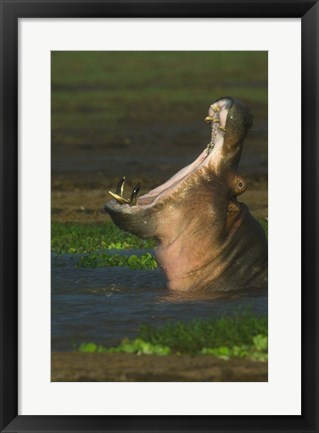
(71, 238)
(244, 336)
(100, 260)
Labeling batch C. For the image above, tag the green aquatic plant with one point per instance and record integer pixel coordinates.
(137, 346)
(244, 336)
(194, 336)
(140, 347)
(100, 260)
(91, 348)
(257, 350)
(79, 238)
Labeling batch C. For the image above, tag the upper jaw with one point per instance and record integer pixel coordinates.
(217, 117)
(219, 110)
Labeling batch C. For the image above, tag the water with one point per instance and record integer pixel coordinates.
(104, 305)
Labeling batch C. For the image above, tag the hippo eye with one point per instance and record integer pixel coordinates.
(240, 185)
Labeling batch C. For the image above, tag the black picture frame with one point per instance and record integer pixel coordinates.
(11, 11)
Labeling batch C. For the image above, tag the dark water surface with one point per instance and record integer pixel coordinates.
(104, 305)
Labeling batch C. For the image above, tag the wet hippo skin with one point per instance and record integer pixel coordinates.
(206, 239)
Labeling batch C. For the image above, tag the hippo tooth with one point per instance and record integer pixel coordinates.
(120, 187)
(134, 194)
(215, 108)
(215, 120)
(209, 119)
(222, 128)
(118, 198)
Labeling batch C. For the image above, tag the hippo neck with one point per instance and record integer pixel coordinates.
(217, 256)
(198, 240)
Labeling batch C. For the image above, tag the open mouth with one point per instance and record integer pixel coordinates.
(217, 117)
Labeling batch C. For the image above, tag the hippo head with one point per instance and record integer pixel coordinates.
(205, 238)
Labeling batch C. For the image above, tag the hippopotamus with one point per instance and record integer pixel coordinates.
(206, 238)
